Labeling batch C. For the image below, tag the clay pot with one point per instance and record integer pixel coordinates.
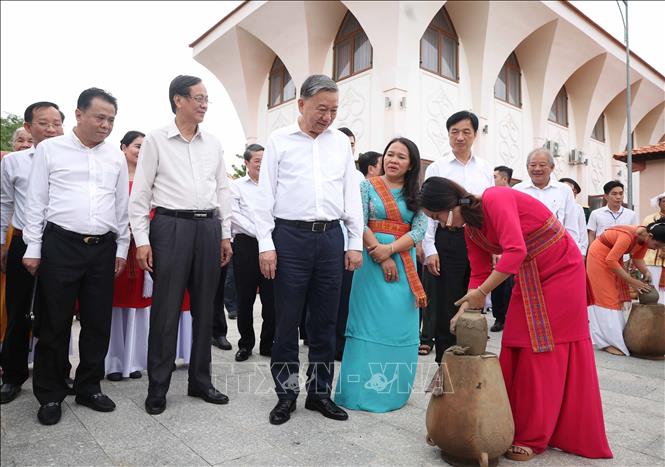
(469, 414)
(644, 333)
(471, 331)
(650, 297)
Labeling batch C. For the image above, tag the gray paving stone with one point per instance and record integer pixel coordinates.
(170, 451)
(270, 457)
(62, 450)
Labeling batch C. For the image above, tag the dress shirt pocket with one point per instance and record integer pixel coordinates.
(210, 162)
(332, 170)
(107, 176)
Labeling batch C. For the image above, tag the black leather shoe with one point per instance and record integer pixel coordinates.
(497, 327)
(221, 342)
(70, 386)
(135, 374)
(99, 402)
(327, 408)
(49, 414)
(282, 412)
(155, 405)
(210, 395)
(233, 314)
(243, 354)
(8, 392)
(114, 376)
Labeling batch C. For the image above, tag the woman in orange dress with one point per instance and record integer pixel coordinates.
(609, 280)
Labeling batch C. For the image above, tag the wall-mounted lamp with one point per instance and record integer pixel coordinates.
(486, 130)
(402, 103)
(388, 103)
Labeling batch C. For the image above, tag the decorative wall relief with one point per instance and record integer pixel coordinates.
(561, 162)
(509, 140)
(279, 121)
(439, 108)
(353, 111)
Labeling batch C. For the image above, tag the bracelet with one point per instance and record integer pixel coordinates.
(392, 249)
(482, 291)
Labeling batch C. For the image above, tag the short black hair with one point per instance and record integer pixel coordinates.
(576, 186)
(462, 115)
(609, 186)
(249, 150)
(507, 171)
(28, 115)
(129, 137)
(367, 159)
(347, 132)
(86, 97)
(180, 87)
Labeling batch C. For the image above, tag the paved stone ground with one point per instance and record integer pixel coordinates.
(192, 432)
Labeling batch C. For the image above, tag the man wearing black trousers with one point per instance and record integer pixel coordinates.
(307, 185)
(181, 172)
(444, 246)
(246, 261)
(77, 236)
(43, 120)
(219, 326)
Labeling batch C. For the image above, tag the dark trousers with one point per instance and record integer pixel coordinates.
(19, 285)
(428, 329)
(501, 299)
(186, 254)
(70, 270)
(219, 326)
(343, 313)
(248, 278)
(309, 268)
(230, 297)
(452, 284)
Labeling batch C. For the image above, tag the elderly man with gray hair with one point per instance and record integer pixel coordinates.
(553, 194)
(307, 185)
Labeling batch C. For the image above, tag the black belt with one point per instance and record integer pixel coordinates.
(88, 239)
(315, 226)
(187, 213)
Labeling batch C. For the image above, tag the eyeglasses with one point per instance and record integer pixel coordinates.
(45, 125)
(200, 99)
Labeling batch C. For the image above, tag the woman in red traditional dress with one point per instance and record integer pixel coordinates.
(546, 353)
(128, 344)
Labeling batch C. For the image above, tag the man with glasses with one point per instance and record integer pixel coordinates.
(444, 246)
(77, 236)
(181, 173)
(42, 120)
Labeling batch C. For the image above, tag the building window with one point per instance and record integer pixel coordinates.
(508, 87)
(438, 47)
(559, 110)
(598, 132)
(352, 50)
(280, 84)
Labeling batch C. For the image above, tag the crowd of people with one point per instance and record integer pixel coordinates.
(147, 240)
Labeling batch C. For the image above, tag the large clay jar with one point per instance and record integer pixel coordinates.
(471, 331)
(650, 297)
(469, 414)
(644, 333)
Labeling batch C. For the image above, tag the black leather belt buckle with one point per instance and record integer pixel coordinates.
(90, 240)
(319, 226)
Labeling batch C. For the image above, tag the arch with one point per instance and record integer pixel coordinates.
(439, 47)
(281, 88)
(508, 86)
(559, 109)
(352, 50)
(598, 131)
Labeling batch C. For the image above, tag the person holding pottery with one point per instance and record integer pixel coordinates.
(609, 280)
(655, 260)
(546, 353)
(382, 335)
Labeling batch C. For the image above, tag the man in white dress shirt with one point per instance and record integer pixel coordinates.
(582, 239)
(42, 120)
(611, 214)
(307, 184)
(248, 275)
(555, 195)
(181, 173)
(445, 247)
(77, 237)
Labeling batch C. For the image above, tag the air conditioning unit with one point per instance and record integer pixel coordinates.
(576, 157)
(553, 147)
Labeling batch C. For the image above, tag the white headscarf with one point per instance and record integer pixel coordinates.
(656, 200)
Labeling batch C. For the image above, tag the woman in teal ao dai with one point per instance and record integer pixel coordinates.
(381, 351)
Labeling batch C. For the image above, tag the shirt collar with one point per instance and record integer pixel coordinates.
(77, 142)
(607, 208)
(173, 131)
(295, 128)
(551, 184)
(450, 159)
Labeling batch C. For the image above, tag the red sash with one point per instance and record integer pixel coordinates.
(535, 308)
(394, 225)
(621, 285)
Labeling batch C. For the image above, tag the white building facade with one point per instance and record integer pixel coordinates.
(536, 73)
